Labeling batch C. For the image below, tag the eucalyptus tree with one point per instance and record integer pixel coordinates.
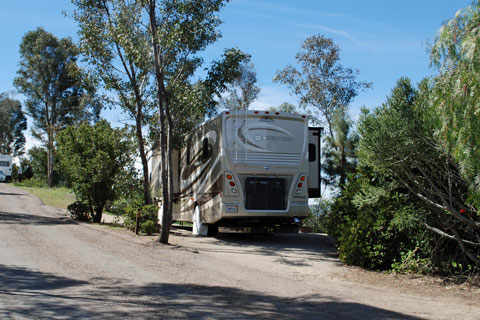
(179, 31)
(243, 90)
(321, 81)
(58, 92)
(12, 124)
(117, 46)
(284, 107)
(340, 150)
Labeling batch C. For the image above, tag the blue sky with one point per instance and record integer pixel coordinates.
(384, 40)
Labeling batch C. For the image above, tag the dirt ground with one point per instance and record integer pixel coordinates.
(54, 268)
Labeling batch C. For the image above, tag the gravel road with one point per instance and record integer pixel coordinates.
(54, 268)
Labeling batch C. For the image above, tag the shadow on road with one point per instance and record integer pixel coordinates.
(292, 249)
(27, 218)
(40, 295)
(14, 278)
(12, 194)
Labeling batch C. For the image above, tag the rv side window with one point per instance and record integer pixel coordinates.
(205, 149)
(312, 152)
(4, 164)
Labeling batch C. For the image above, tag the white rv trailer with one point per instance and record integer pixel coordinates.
(244, 171)
(6, 166)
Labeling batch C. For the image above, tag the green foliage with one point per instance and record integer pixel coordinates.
(374, 221)
(118, 50)
(411, 262)
(339, 150)
(37, 160)
(456, 93)
(57, 91)
(93, 157)
(79, 211)
(322, 82)
(399, 140)
(33, 182)
(317, 216)
(243, 90)
(284, 107)
(12, 124)
(148, 217)
(36, 165)
(149, 227)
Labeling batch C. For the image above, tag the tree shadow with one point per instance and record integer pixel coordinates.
(291, 249)
(32, 294)
(32, 219)
(12, 194)
(18, 278)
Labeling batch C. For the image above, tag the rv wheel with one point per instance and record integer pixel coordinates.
(199, 229)
(212, 230)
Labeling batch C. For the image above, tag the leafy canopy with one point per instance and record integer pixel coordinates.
(12, 125)
(320, 80)
(93, 157)
(456, 93)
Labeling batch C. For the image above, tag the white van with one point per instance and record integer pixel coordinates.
(6, 166)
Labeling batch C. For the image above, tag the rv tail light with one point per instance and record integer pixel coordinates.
(228, 112)
(230, 185)
(277, 113)
(266, 112)
(256, 112)
(303, 116)
(300, 189)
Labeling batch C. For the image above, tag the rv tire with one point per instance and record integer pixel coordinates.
(212, 230)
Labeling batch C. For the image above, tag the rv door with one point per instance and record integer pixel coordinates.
(314, 170)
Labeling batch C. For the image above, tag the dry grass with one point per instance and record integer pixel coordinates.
(55, 197)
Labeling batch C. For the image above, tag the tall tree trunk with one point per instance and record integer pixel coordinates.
(141, 146)
(170, 162)
(163, 104)
(167, 212)
(50, 157)
(343, 164)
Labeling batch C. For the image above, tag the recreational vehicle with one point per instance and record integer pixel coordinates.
(6, 166)
(244, 171)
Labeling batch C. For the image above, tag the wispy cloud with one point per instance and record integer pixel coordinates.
(273, 96)
(341, 33)
(269, 13)
(277, 7)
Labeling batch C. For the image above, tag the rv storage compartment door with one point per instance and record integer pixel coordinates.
(314, 180)
(265, 193)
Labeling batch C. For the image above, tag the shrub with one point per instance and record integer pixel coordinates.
(317, 216)
(33, 182)
(79, 211)
(148, 217)
(93, 157)
(374, 223)
(149, 227)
